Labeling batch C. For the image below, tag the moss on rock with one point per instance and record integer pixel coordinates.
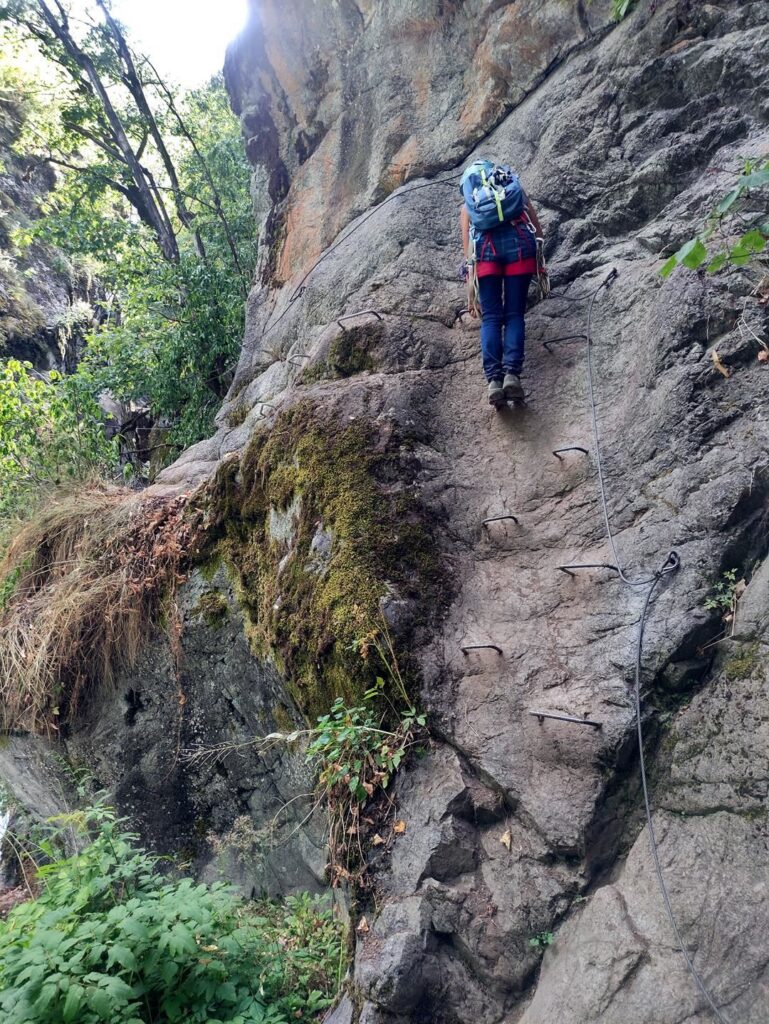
(348, 354)
(742, 665)
(213, 609)
(318, 622)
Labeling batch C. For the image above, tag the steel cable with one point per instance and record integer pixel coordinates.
(347, 234)
(666, 568)
(670, 565)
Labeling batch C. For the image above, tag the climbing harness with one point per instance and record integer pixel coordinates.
(670, 565)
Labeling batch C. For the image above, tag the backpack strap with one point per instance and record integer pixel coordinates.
(495, 193)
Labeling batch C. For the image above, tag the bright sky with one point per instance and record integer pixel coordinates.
(185, 39)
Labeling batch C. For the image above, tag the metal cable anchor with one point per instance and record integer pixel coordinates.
(570, 448)
(542, 715)
(562, 338)
(480, 647)
(361, 312)
(571, 570)
(498, 519)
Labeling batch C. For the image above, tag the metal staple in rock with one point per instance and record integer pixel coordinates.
(358, 224)
(670, 564)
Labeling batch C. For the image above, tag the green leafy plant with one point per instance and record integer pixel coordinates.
(357, 759)
(726, 594)
(542, 940)
(725, 225)
(620, 8)
(354, 751)
(109, 938)
(357, 753)
(50, 432)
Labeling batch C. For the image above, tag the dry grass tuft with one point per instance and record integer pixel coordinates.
(79, 586)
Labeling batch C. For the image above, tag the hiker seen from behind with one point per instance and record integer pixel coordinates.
(502, 240)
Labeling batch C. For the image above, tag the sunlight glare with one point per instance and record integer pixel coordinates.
(186, 39)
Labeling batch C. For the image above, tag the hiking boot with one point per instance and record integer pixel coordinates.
(496, 394)
(511, 388)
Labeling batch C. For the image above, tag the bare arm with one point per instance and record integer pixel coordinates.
(464, 227)
(532, 214)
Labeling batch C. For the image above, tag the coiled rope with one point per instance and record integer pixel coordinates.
(670, 565)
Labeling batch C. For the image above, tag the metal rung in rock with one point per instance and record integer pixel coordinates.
(571, 570)
(498, 519)
(361, 312)
(570, 448)
(542, 715)
(565, 337)
(480, 647)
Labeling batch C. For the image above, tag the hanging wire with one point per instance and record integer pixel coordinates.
(671, 564)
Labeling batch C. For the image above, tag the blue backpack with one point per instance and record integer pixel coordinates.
(492, 194)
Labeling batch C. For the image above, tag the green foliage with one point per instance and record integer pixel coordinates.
(725, 225)
(542, 940)
(620, 8)
(175, 266)
(355, 752)
(108, 938)
(176, 331)
(357, 758)
(51, 431)
(724, 594)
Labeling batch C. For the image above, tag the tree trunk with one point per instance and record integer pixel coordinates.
(153, 209)
(134, 85)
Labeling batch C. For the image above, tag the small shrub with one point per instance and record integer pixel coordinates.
(108, 938)
(542, 940)
(725, 594)
(355, 751)
(357, 758)
(50, 432)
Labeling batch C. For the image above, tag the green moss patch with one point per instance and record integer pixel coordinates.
(238, 415)
(213, 609)
(744, 664)
(317, 620)
(348, 354)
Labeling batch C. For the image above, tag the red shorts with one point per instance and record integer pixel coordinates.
(487, 268)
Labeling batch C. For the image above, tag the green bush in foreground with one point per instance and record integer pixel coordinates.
(110, 939)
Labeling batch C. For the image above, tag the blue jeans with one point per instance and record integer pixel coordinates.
(503, 304)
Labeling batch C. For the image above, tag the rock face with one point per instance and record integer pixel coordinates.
(519, 828)
(45, 304)
(518, 831)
